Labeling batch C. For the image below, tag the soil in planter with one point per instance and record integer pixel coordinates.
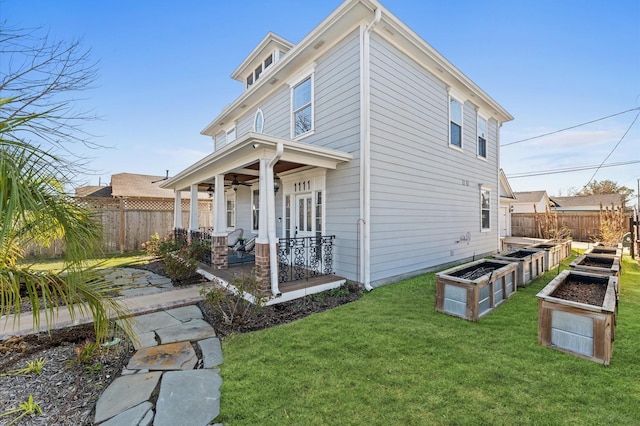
(475, 272)
(519, 254)
(591, 293)
(545, 246)
(597, 262)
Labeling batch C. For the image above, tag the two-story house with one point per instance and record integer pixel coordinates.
(359, 151)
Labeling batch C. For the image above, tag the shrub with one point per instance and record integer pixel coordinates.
(180, 264)
(152, 247)
(232, 305)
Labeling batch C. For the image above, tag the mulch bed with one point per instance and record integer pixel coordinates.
(578, 291)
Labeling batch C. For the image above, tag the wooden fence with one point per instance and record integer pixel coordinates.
(129, 222)
(584, 226)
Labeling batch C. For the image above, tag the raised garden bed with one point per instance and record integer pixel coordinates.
(609, 251)
(565, 248)
(530, 264)
(576, 314)
(474, 289)
(597, 264)
(552, 254)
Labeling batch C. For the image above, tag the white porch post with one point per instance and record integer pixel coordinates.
(177, 210)
(219, 255)
(263, 237)
(193, 209)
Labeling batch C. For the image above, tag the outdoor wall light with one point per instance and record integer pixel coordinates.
(276, 183)
(255, 145)
(210, 191)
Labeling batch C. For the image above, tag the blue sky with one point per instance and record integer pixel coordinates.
(165, 65)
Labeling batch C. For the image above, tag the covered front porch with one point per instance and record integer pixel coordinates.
(268, 213)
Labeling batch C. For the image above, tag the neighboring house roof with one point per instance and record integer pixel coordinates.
(587, 202)
(531, 196)
(506, 193)
(133, 185)
(346, 18)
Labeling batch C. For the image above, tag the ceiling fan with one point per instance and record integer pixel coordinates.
(235, 183)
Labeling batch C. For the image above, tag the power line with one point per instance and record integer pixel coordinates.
(569, 169)
(569, 128)
(614, 148)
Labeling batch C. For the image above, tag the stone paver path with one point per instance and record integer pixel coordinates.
(167, 381)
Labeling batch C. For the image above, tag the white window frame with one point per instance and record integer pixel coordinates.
(451, 120)
(480, 118)
(259, 113)
(231, 134)
(255, 208)
(230, 195)
(293, 83)
(485, 189)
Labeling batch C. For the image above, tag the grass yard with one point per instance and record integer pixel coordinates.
(390, 359)
(108, 261)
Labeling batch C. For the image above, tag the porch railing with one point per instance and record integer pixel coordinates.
(203, 239)
(305, 257)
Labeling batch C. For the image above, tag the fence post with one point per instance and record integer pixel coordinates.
(632, 247)
(122, 225)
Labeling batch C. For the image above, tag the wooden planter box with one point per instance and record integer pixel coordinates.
(586, 330)
(530, 264)
(597, 264)
(565, 248)
(552, 254)
(474, 289)
(609, 251)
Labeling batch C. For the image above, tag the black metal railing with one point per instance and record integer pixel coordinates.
(305, 257)
(181, 237)
(201, 241)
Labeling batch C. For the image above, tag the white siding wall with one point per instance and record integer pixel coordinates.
(424, 194)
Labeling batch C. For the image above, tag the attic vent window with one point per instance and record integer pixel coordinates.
(268, 61)
(250, 80)
(255, 75)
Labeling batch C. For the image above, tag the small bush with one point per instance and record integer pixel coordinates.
(87, 352)
(152, 247)
(233, 306)
(180, 264)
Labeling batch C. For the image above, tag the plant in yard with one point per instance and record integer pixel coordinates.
(180, 264)
(612, 225)
(86, 352)
(32, 367)
(232, 303)
(152, 247)
(27, 408)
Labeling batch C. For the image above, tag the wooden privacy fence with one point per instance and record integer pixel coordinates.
(584, 226)
(129, 222)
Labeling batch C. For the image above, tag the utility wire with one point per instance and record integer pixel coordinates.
(569, 169)
(569, 128)
(614, 148)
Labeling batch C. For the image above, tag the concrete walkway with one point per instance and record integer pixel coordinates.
(172, 378)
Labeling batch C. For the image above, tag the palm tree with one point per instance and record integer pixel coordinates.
(35, 209)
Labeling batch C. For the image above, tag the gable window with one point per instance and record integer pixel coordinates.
(268, 61)
(258, 71)
(258, 122)
(302, 107)
(230, 198)
(250, 80)
(255, 210)
(231, 134)
(455, 123)
(485, 208)
(482, 137)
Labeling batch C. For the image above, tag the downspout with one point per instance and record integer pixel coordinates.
(271, 221)
(365, 151)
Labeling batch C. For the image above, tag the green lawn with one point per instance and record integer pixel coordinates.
(108, 261)
(390, 359)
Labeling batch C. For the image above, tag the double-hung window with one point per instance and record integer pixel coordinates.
(482, 137)
(485, 208)
(302, 107)
(231, 134)
(230, 198)
(255, 210)
(455, 123)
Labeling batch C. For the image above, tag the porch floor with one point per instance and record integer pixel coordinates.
(289, 290)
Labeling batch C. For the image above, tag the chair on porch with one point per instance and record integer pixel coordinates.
(233, 237)
(244, 250)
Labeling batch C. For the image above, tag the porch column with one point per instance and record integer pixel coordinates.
(177, 210)
(219, 255)
(193, 210)
(267, 215)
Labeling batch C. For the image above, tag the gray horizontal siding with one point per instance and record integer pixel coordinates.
(425, 195)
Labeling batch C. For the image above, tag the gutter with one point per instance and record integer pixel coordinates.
(271, 221)
(365, 150)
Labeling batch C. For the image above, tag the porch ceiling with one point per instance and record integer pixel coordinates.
(242, 157)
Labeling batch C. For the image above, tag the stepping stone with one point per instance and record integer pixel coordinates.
(196, 329)
(153, 321)
(145, 340)
(133, 416)
(188, 398)
(174, 356)
(186, 313)
(140, 291)
(211, 352)
(126, 392)
(160, 281)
